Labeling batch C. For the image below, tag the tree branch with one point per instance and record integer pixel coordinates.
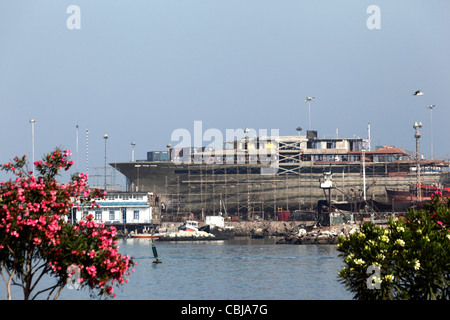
(8, 282)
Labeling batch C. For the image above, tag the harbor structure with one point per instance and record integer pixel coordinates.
(256, 177)
(124, 210)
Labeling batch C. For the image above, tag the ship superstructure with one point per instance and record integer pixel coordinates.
(256, 177)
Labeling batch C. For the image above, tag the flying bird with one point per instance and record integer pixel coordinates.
(418, 93)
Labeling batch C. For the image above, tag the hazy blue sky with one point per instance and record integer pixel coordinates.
(139, 69)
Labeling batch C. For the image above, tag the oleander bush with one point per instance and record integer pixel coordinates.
(408, 259)
(38, 239)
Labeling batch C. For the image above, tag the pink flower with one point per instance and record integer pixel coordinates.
(92, 271)
(439, 223)
(92, 254)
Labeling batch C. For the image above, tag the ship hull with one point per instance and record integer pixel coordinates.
(241, 190)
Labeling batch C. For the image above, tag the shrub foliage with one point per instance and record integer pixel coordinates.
(408, 259)
(38, 239)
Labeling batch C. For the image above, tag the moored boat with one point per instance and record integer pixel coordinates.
(221, 233)
(189, 225)
(401, 196)
(188, 236)
(216, 226)
(147, 235)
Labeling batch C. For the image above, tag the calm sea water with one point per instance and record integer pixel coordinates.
(237, 269)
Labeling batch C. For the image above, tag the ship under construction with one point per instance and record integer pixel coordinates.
(256, 177)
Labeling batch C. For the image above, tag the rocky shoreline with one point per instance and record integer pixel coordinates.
(318, 235)
(294, 232)
(286, 232)
(259, 229)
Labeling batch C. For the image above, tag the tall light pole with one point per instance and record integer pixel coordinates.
(77, 147)
(364, 171)
(431, 107)
(105, 136)
(33, 122)
(309, 99)
(87, 154)
(133, 144)
(417, 127)
(132, 186)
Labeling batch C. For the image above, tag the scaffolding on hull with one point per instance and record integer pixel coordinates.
(238, 190)
(210, 190)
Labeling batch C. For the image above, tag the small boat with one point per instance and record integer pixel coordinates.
(189, 225)
(188, 236)
(147, 235)
(216, 226)
(427, 192)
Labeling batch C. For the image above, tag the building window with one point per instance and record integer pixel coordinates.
(84, 214)
(311, 145)
(98, 215)
(111, 215)
(136, 214)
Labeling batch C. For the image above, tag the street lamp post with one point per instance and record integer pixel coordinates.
(133, 144)
(77, 148)
(431, 107)
(309, 99)
(105, 136)
(364, 172)
(33, 122)
(417, 127)
(87, 154)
